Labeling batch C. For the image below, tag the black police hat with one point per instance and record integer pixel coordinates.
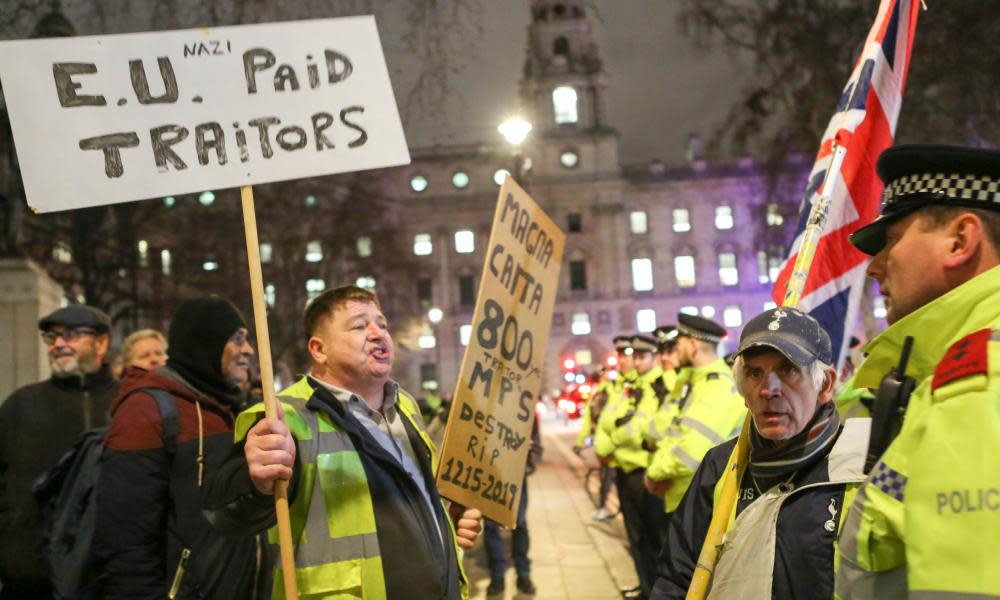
(666, 336)
(916, 176)
(699, 328)
(622, 342)
(77, 315)
(790, 331)
(643, 343)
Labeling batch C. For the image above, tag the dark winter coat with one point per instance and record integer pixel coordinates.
(38, 424)
(149, 502)
(416, 561)
(803, 555)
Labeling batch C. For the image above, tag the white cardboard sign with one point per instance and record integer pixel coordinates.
(107, 119)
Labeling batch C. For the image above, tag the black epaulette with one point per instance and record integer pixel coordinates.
(711, 376)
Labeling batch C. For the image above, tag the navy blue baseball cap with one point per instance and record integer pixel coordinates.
(789, 331)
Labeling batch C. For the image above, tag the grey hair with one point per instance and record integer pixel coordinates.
(816, 372)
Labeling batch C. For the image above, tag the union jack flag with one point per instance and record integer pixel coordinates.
(864, 124)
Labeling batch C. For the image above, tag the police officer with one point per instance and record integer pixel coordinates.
(708, 413)
(625, 425)
(603, 445)
(669, 389)
(926, 521)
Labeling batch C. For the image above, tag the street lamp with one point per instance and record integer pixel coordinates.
(435, 315)
(515, 130)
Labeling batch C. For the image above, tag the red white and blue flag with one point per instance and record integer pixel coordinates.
(864, 124)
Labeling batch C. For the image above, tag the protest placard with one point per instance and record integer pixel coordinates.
(106, 119)
(489, 427)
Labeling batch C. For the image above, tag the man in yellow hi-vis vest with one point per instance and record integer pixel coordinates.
(926, 522)
(367, 520)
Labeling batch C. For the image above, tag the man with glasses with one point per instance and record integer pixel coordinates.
(38, 424)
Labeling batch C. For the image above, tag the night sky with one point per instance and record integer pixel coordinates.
(661, 87)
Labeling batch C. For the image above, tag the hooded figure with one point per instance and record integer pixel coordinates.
(152, 538)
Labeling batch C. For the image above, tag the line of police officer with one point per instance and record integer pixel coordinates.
(674, 400)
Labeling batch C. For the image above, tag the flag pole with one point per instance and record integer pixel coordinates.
(271, 407)
(740, 458)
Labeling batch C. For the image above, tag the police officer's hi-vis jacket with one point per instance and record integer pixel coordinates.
(603, 445)
(926, 522)
(360, 524)
(623, 424)
(713, 413)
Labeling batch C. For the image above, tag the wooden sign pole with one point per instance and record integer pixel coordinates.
(271, 408)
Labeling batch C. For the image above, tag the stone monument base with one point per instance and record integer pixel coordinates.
(27, 294)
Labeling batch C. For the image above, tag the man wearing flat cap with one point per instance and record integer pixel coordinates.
(38, 424)
(624, 425)
(804, 466)
(709, 412)
(925, 524)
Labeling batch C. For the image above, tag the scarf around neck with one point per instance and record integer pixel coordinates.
(770, 461)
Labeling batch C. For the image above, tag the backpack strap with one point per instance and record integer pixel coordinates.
(168, 415)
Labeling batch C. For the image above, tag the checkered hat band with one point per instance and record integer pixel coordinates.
(978, 188)
(699, 335)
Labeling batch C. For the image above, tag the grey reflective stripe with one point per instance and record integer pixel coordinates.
(319, 548)
(933, 595)
(674, 431)
(703, 429)
(686, 458)
(852, 581)
(654, 434)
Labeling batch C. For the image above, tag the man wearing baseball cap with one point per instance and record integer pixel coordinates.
(804, 466)
(38, 424)
(925, 522)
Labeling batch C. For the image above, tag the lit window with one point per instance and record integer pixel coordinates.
(465, 241)
(422, 245)
(426, 340)
(499, 175)
(418, 183)
(690, 310)
(682, 220)
(642, 274)
(708, 311)
(728, 273)
(732, 316)
(364, 245)
(169, 201)
(143, 253)
(314, 251)
(460, 179)
(569, 159)
(310, 201)
(269, 295)
(206, 198)
(266, 251)
(645, 320)
(774, 216)
(762, 276)
(637, 222)
(165, 261)
(723, 217)
(314, 287)
(583, 357)
(62, 252)
(580, 324)
(775, 259)
(879, 311)
(464, 334)
(210, 265)
(684, 269)
(564, 104)
(769, 305)
(365, 282)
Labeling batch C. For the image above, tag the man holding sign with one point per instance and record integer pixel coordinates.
(367, 520)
